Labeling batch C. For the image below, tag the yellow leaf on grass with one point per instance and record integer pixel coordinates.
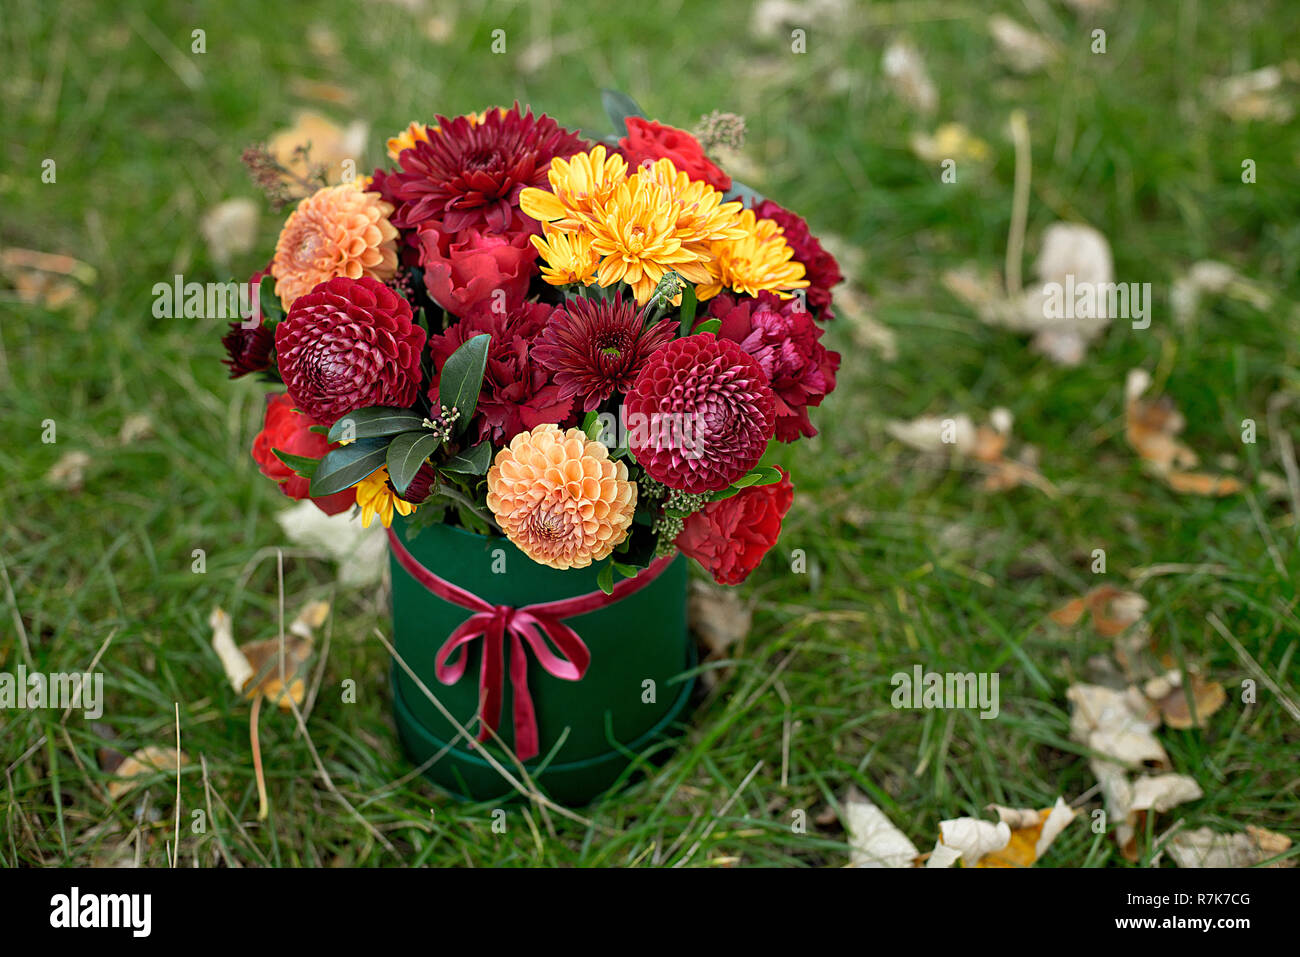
(143, 763)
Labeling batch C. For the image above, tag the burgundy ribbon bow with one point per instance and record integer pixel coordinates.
(526, 627)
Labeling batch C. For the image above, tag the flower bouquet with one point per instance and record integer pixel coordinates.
(550, 367)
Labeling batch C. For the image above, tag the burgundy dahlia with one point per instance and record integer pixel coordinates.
(471, 174)
(820, 268)
(700, 414)
(247, 350)
(347, 344)
(596, 348)
(518, 394)
(782, 336)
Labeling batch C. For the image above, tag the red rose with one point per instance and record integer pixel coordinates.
(290, 431)
(347, 344)
(518, 393)
(648, 140)
(730, 537)
(820, 268)
(781, 335)
(467, 268)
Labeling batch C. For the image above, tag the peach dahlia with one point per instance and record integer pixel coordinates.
(337, 231)
(560, 498)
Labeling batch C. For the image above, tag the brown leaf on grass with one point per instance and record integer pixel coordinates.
(1207, 848)
(1151, 427)
(985, 445)
(322, 92)
(325, 144)
(718, 617)
(143, 763)
(49, 279)
(1169, 693)
(1112, 610)
(263, 658)
(1032, 833)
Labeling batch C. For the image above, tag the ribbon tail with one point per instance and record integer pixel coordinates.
(525, 717)
(491, 678)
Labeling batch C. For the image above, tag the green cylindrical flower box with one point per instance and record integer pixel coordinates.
(592, 731)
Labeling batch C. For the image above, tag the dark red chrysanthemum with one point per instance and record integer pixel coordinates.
(247, 350)
(596, 348)
(781, 335)
(820, 268)
(518, 394)
(471, 174)
(348, 344)
(700, 414)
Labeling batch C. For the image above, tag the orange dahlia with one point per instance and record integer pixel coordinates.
(759, 261)
(560, 498)
(337, 231)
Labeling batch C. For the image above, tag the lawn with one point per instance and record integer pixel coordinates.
(909, 559)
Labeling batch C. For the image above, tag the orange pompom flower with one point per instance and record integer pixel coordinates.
(560, 498)
(337, 231)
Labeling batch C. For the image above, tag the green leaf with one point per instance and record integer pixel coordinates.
(689, 303)
(272, 310)
(745, 194)
(709, 325)
(627, 571)
(592, 425)
(762, 475)
(619, 106)
(461, 378)
(406, 454)
(605, 580)
(345, 467)
(472, 461)
(301, 464)
(374, 421)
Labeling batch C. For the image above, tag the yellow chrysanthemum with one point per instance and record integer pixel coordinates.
(760, 261)
(376, 497)
(566, 257)
(657, 221)
(407, 139)
(576, 186)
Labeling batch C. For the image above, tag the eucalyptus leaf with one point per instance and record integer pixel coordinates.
(406, 453)
(372, 422)
(345, 467)
(619, 106)
(471, 461)
(301, 464)
(461, 378)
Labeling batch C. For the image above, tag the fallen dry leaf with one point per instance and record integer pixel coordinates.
(1118, 725)
(874, 841)
(1207, 848)
(144, 762)
(359, 553)
(1112, 610)
(233, 662)
(909, 78)
(950, 141)
(968, 839)
(1256, 95)
(1151, 427)
(48, 279)
(718, 617)
(1032, 833)
(230, 229)
(1211, 278)
(985, 445)
(1168, 693)
(69, 472)
(327, 144)
(1022, 49)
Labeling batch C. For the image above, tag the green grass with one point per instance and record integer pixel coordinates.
(908, 562)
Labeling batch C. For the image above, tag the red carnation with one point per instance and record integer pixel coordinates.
(782, 336)
(517, 392)
(648, 140)
(820, 268)
(730, 537)
(465, 269)
(700, 414)
(471, 174)
(596, 348)
(290, 432)
(347, 344)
